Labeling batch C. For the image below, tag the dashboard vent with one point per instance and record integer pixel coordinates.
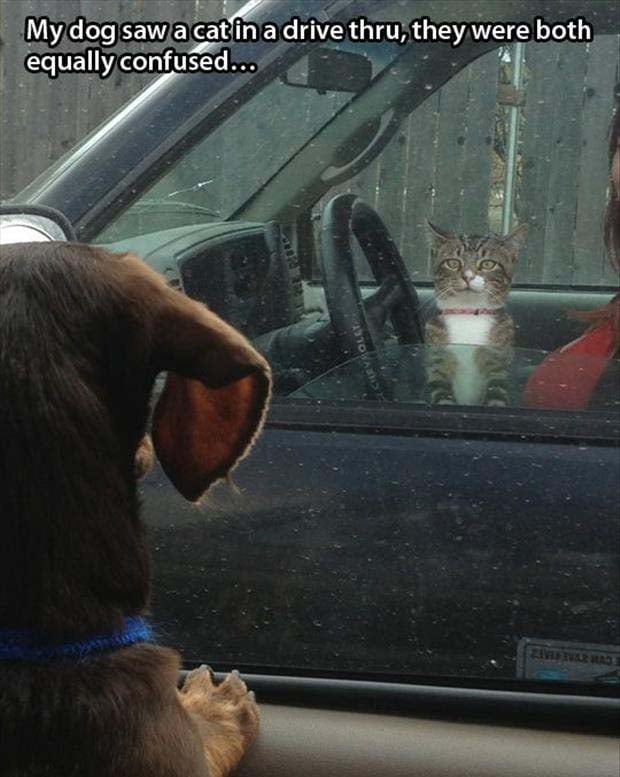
(295, 275)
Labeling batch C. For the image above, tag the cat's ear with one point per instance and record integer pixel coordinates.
(515, 241)
(438, 236)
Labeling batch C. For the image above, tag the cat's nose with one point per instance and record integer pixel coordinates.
(467, 275)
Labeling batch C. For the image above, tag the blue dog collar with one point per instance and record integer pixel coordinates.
(28, 645)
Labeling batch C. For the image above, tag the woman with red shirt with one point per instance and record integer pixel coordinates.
(568, 379)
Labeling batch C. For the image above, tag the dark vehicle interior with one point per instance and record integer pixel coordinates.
(249, 274)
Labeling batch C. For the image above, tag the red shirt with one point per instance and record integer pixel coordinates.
(567, 378)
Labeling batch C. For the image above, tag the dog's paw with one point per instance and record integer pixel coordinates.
(226, 713)
(197, 677)
(144, 457)
(229, 698)
(232, 690)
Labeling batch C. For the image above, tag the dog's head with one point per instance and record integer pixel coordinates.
(100, 327)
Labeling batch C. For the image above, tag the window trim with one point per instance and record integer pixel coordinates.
(368, 417)
(528, 704)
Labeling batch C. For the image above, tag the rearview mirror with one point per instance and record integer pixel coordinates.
(329, 70)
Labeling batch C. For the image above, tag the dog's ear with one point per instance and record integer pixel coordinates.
(215, 397)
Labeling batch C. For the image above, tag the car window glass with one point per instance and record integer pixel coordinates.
(483, 153)
(458, 548)
(220, 172)
(488, 151)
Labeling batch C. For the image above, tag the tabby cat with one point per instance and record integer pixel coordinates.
(472, 280)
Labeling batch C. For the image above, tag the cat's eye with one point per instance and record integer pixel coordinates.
(453, 264)
(487, 264)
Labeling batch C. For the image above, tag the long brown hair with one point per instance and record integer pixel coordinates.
(611, 235)
(612, 214)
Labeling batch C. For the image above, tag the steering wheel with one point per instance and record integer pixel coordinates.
(358, 324)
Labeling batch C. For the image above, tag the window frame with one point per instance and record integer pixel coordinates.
(371, 417)
(527, 705)
(436, 695)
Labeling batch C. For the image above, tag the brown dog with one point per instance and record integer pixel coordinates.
(83, 333)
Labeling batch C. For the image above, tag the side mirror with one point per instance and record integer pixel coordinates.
(33, 223)
(329, 70)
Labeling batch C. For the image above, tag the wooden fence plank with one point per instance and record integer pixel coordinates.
(541, 63)
(13, 118)
(95, 96)
(478, 150)
(420, 186)
(452, 131)
(389, 194)
(18, 89)
(46, 140)
(561, 203)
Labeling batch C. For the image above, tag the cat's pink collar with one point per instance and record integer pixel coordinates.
(469, 311)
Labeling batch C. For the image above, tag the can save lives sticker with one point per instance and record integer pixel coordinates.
(539, 659)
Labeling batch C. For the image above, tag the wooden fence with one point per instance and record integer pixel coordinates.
(41, 119)
(446, 163)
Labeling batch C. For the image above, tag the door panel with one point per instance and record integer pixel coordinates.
(391, 554)
(303, 742)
